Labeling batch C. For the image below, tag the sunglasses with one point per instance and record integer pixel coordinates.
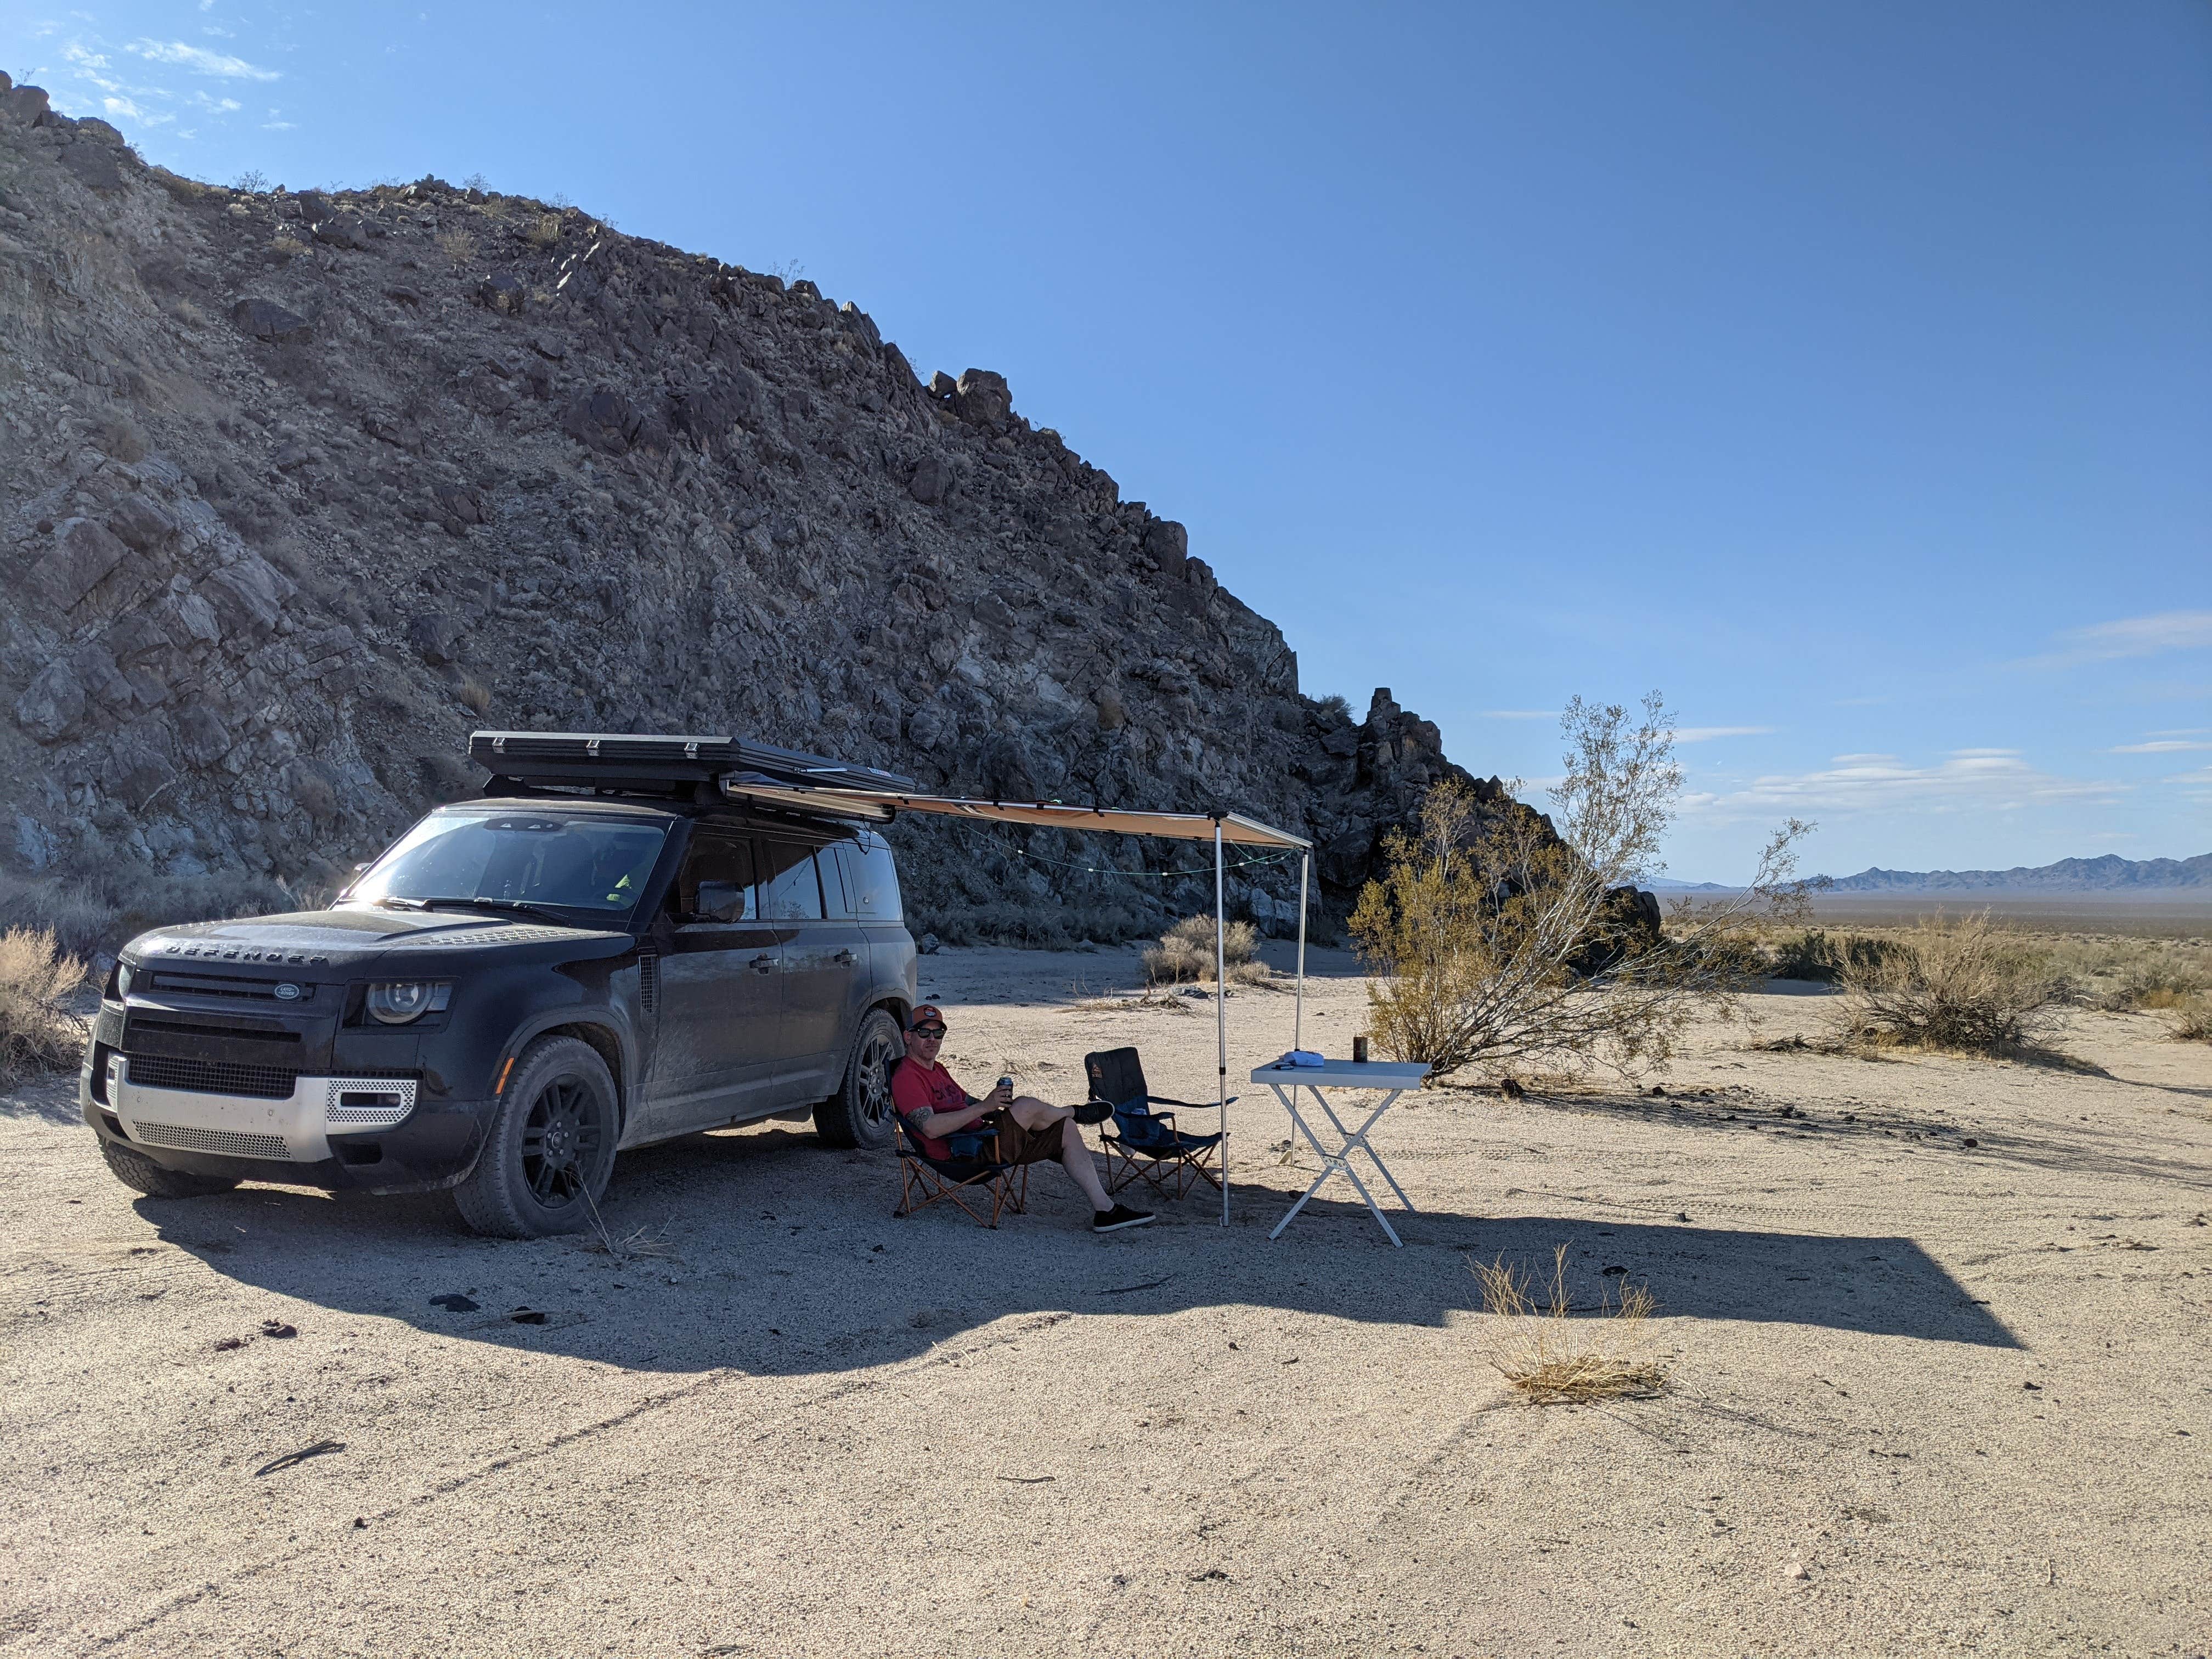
(929, 1031)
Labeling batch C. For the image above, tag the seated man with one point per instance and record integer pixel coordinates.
(1029, 1131)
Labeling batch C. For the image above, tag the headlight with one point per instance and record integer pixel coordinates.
(395, 1002)
(122, 980)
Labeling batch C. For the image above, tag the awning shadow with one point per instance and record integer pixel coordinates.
(765, 1252)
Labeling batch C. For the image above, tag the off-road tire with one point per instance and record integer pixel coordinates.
(560, 1096)
(136, 1170)
(860, 1113)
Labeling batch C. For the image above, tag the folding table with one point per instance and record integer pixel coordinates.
(1393, 1079)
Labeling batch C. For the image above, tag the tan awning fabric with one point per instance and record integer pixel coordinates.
(1176, 826)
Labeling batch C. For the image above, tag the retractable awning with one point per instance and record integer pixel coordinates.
(879, 805)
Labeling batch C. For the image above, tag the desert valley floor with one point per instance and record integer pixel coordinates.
(1937, 1343)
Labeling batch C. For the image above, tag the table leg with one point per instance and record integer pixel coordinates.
(1360, 1141)
(1353, 1175)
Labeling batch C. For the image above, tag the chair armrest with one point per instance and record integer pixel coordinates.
(1195, 1105)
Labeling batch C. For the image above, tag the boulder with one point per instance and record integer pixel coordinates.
(982, 396)
(346, 230)
(265, 319)
(94, 165)
(51, 709)
(202, 738)
(601, 420)
(139, 523)
(503, 291)
(929, 481)
(434, 635)
(249, 596)
(82, 554)
(1167, 545)
(23, 107)
(139, 770)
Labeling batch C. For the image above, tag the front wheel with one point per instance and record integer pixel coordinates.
(138, 1170)
(551, 1148)
(860, 1113)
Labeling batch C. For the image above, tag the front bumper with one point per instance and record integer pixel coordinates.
(381, 1135)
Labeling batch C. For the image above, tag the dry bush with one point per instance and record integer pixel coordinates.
(37, 1031)
(287, 245)
(544, 231)
(476, 695)
(103, 912)
(1498, 938)
(1814, 954)
(1962, 985)
(1186, 953)
(2195, 1024)
(459, 245)
(1548, 1359)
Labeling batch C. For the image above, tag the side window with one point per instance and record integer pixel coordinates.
(716, 881)
(837, 894)
(790, 889)
(871, 880)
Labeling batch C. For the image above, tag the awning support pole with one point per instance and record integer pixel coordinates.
(1221, 1016)
(1298, 1013)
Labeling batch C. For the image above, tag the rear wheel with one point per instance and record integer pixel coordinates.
(860, 1113)
(551, 1149)
(138, 1170)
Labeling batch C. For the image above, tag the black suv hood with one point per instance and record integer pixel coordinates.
(348, 937)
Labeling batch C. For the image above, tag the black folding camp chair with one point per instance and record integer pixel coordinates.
(1143, 1142)
(973, 1170)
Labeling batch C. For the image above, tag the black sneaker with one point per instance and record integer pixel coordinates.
(1120, 1216)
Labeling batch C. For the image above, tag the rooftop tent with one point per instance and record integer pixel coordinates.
(879, 805)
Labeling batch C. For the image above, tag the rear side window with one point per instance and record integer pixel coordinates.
(871, 880)
(716, 881)
(790, 889)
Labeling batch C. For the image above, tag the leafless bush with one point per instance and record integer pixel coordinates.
(2195, 1024)
(1186, 953)
(1545, 1357)
(1812, 953)
(102, 913)
(1959, 986)
(475, 694)
(1498, 938)
(37, 1031)
(544, 231)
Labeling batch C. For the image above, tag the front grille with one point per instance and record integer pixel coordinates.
(212, 1077)
(138, 1022)
(214, 1141)
(230, 985)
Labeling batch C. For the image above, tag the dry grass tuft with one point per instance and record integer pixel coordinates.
(1961, 986)
(475, 694)
(1186, 953)
(37, 1032)
(1545, 1358)
(544, 231)
(2195, 1024)
(459, 245)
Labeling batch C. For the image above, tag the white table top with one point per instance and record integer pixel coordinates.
(1345, 1075)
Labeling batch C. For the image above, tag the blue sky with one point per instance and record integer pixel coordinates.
(1843, 371)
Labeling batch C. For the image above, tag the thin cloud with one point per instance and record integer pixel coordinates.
(1978, 779)
(201, 61)
(2161, 746)
(1707, 733)
(2130, 637)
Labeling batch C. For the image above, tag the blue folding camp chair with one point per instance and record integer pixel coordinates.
(1144, 1142)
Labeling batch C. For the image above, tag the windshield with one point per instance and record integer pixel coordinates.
(498, 856)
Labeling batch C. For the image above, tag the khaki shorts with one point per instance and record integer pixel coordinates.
(1018, 1145)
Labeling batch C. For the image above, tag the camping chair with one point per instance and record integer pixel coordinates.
(972, 1170)
(1144, 1142)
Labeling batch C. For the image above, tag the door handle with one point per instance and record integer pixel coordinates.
(844, 956)
(762, 963)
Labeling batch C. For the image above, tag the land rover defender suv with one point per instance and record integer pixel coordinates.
(621, 940)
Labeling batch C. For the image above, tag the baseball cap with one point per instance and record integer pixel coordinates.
(927, 1013)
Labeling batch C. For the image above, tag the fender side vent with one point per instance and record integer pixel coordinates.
(648, 980)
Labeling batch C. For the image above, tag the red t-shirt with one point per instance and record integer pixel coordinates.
(918, 1088)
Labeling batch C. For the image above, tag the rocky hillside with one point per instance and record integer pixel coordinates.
(2108, 874)
(296, 490)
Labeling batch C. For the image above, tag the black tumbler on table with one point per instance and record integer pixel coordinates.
(1359, 1051)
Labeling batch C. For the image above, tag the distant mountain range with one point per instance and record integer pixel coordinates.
(2109, 874)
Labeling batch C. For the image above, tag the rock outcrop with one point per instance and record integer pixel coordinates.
(296, 488)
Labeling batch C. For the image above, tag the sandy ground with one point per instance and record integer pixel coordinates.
(1925, 1398)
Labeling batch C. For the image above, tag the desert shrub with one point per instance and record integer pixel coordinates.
(1812, 953)
(459, 245)
(544, 231)
(1962, 986)
(2157, 983)
(1496, 937)
(2195, 1024)
(475, 695)
(1546, 1356)
(37, 1031)
(1186, 953)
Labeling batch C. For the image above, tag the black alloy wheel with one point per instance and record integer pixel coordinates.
(860, 1113)
(561, 1142)
(550, 1149)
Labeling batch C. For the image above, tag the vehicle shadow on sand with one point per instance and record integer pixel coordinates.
(763, 1251)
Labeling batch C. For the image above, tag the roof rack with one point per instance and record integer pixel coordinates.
(732, 765)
